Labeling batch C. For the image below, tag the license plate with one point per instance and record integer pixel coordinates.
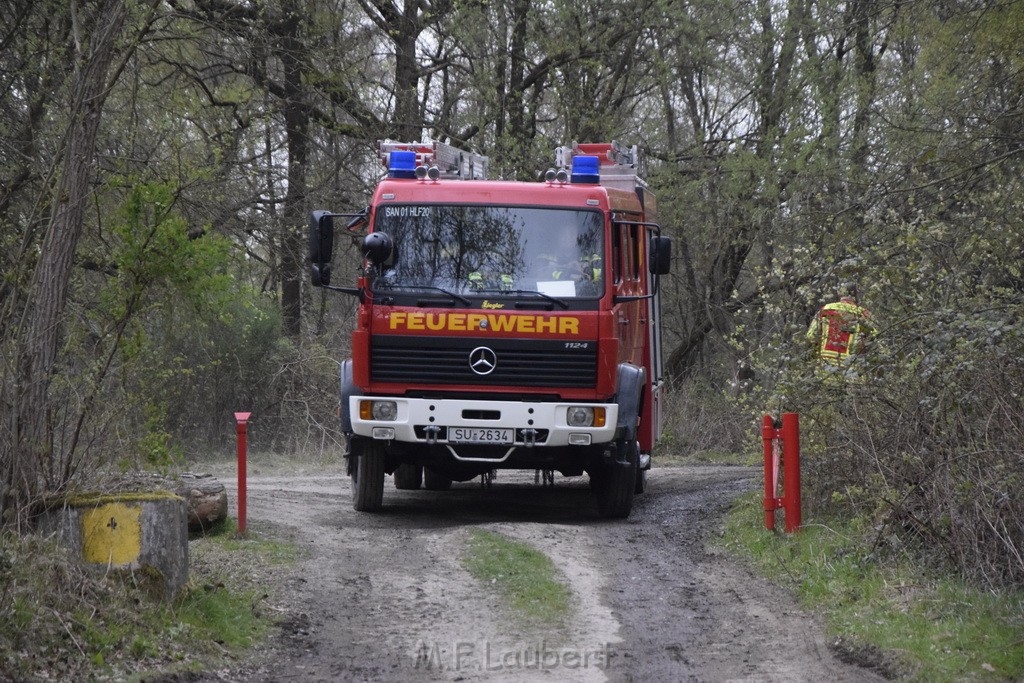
(479, 435)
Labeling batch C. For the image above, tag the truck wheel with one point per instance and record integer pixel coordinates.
(368, 477)
(408, 476)
(432, 481)
(615, 486)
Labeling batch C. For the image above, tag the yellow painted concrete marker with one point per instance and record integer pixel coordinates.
(112, 533)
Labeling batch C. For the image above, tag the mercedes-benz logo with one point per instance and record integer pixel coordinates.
(482, 360)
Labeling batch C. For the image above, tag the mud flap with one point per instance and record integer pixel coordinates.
(629, 396)
(354, 450)
(348, 389)
(641, 473)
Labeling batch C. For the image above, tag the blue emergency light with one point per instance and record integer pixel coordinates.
(584, 169)
(402, 164)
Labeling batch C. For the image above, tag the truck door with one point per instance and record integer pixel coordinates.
(628, 281)
(639, 322)
(652, 354)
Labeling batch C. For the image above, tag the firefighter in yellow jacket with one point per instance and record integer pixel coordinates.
(839, 332)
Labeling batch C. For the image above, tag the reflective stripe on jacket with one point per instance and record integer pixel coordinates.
(839, 330)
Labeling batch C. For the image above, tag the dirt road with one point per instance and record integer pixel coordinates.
(385, 597)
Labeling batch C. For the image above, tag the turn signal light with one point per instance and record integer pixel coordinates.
(378, 410)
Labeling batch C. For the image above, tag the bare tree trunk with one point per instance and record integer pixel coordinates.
(32, 448)
(751, 218)
(403, 25)
(296, 122)
(864, 67)
(408, 122)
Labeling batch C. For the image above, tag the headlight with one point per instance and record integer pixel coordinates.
(385, 410)
(579, 416)
(378, 410)
(585, 416)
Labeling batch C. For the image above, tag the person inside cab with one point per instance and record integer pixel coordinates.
(570, 262)
(586, 267)
(491, 273)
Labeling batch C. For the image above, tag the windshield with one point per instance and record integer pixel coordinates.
(487, 249)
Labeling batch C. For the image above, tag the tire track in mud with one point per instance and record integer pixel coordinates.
(689, 611)
(384, 596)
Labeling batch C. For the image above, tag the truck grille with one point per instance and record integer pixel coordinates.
(520, 362)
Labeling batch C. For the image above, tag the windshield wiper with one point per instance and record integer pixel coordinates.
(531, 292)
(457, 297)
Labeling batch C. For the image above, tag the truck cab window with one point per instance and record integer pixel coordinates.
(634, 251)
(488, 249)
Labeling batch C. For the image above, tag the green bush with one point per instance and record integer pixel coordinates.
(926, 443)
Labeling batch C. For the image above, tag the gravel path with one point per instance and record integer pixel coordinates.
(384, 597)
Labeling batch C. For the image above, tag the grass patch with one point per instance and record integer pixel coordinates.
(61, 620)
(227, 606)
(890, 611)
(222, 616)
(526, 577)
(226, 537)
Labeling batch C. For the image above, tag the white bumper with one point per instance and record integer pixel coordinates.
(415, 418)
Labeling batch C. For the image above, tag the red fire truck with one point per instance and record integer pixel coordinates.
(503, 325)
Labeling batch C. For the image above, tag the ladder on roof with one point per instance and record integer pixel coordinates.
(452, 162)
(620, 166)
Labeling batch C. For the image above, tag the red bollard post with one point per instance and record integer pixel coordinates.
(770, 504)
(791, 467)
(242, 422)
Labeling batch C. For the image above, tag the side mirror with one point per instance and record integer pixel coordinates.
(377, 247)
(321, 246)
(358, 220)
(660, 262)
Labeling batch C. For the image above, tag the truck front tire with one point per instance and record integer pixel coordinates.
(368, 477)
(616, 482)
